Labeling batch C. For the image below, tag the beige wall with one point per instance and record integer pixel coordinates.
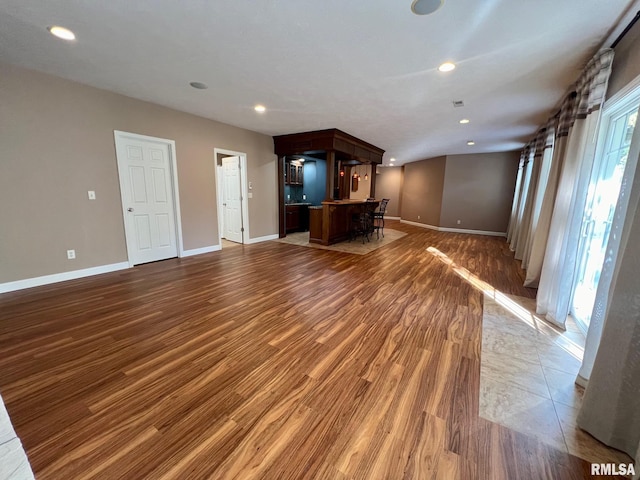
(364, 186)
(626, 62)
(389, 185)
(478, 191)
(422, 191)
(56, 143)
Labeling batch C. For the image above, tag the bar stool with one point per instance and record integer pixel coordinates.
(378, 217)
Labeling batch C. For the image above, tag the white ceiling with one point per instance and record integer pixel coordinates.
(368, 67)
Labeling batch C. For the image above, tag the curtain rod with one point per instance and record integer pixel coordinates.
(626, 30)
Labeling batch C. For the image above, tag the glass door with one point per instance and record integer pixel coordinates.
(602, 196)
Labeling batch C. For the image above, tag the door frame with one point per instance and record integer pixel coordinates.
(244, 191)
(173, 171)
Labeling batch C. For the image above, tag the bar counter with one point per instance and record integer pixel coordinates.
(331, 223)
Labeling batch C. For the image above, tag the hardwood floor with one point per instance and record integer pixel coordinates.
(268, 361)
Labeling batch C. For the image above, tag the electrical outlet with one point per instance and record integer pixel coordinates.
(92, 195)
(418, 217)
(458, 222)
(71, 254)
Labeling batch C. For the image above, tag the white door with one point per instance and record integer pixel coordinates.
(144, 166)
(604, 189)
(232, 204)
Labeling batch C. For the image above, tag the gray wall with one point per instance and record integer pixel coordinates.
(626, 62)
(478, 191)
(422, 191)
(56, 142)
(389, 185)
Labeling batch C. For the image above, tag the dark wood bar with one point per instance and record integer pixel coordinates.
(341, 152)
(333, 222)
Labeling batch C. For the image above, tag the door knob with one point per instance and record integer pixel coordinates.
(129, 209)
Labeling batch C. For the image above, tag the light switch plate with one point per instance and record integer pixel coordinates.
(250, 195)
(92, 195)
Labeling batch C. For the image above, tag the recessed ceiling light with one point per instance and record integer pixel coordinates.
(199, 85)
(446, 67)
(471, 142)
(425, 7)
(260, 108)
(61, 32)
(464, 121)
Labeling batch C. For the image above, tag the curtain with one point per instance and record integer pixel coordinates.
(539, 241)
(560, 258)
(513, 220)
(611, 405)
(519, 198)
(528, 214)
(543, 179)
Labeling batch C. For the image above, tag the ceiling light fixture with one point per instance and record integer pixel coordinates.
(199, 85)
(260, 108)
(61, 32)
(425, 7)
(447, 67)
(471, 142)
(464, 121)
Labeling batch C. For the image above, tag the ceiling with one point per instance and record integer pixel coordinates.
(367, 67)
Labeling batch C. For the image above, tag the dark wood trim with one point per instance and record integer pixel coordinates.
(348, 146)
(281, 224)
(331, 164)
(372, 192)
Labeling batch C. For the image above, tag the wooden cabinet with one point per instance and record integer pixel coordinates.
(293, 173)
(297, 218)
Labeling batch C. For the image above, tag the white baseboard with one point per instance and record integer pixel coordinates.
(200, 251)
(266, 238)
(391, 218)
(473, 232)
(61, 277)
(455, 230)
(423, 225)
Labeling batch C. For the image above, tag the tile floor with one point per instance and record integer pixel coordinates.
(227, 244)
(13, 460)
(356, 246)
(527, 375)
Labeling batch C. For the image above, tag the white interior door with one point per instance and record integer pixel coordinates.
(232, 203)
(144, 166)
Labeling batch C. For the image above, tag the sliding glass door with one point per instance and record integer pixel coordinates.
(604, 188)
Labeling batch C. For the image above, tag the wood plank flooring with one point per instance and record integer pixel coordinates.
(268, 361)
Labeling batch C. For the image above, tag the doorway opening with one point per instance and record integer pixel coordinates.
(231, 196)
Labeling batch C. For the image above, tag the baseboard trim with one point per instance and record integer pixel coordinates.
(455, 230)
(200, 251)
(61, 277)
(422, 225)
(580, 380)
(391, 218)
(266, 238)
(473, 232)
